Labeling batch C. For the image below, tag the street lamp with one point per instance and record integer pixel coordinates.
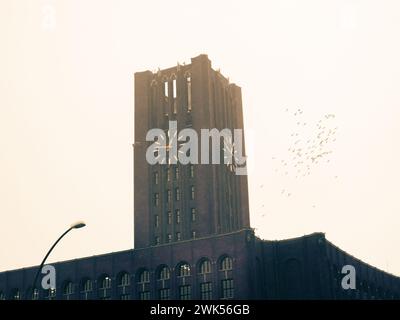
(76, 225)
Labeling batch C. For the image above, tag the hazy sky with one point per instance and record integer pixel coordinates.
(66, 116)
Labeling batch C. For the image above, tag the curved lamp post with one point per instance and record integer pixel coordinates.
(77, 225)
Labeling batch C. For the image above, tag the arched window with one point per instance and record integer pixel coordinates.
(183, 270)
(144, 277)
(205, 266)
(15, 294)
(104, 287)
(32, 294)
(124, 281)
(185, 288)
(86, 288)
(227, 284)
(143, 284)
(226, 264)
(68, 290)
(105, 282)
(163, 275)
(51, 294)
(206, 286)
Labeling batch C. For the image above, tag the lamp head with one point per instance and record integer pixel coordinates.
(78, 225)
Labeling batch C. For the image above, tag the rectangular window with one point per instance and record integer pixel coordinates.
(178, 216)
(192, 193)
(206, 291)
(164, 294)
(193, 234)
(156, 199)
(169, 238)
(166, 89)
(144, 295)
(193, 214)
(189, 93)
(176, 173)
(174, 95)
(227, 289)
(192, 171)
(169, 196)
(125, 297)
(168, 173)
(169, 217)
(177, 194)
(156, 221)
(155, 177)
(175, 106)
(178, 236)
(185, 292)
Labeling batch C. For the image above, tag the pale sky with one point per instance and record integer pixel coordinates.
(66, 116)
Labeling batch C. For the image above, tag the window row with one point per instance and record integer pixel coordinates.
(163, 274)
(156, 176)
(168, 195)
(168, 238)
(178, 217)
(184, 293)
(170, 89)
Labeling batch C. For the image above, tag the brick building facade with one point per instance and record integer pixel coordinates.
(193, 238)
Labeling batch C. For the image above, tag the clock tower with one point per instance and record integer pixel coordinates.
(181, 202)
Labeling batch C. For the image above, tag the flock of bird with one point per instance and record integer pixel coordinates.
(307, 151)
(311, 144)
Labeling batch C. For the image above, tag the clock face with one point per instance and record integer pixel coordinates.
(165, 157)
(231, 157)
